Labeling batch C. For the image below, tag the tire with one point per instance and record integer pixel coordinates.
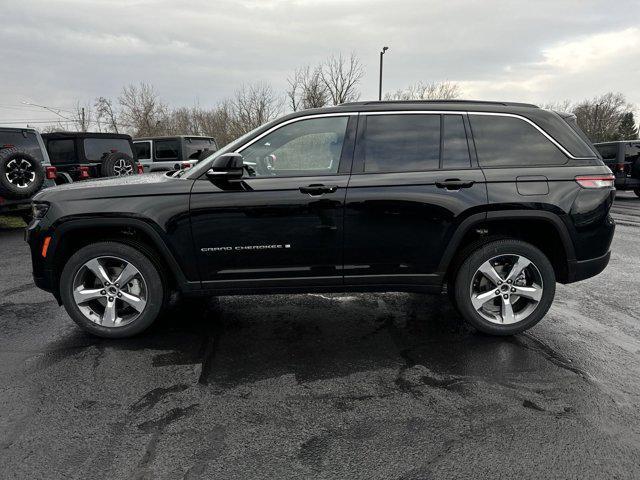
(635, 169)
(92, 314)
(495, 316)
(117, 164)
(637, 192)
(21, 174)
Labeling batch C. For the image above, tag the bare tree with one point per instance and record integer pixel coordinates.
(82, 117)
(253, 105)
(426, 91)
(341, 76)
(143, 110)
(563, 106)
(307, 89)
(106, 114)
(600, 117)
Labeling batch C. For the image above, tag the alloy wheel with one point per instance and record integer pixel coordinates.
(506, 289)
(122, 167)
(110, 291)
(20, 172)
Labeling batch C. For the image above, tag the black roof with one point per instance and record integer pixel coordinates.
(59, 135)
(18, 129)
(442, 102)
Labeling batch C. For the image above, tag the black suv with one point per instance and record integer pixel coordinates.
(623, 158)
(84, 155)
(492, 202)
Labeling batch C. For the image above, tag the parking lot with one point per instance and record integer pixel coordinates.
(325, 386)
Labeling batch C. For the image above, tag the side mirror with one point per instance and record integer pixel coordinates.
(227, 166)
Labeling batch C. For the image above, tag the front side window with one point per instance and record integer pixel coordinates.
(143, 150)
(509, 141)
(303, 148)
(62, 151)
(95, 149)
(401, 143)
(166, 150)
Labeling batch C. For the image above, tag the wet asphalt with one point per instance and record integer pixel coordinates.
(357, 386)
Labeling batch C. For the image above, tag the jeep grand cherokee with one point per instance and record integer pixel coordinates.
(491, 202)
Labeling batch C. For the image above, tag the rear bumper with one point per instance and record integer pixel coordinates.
(583, 269)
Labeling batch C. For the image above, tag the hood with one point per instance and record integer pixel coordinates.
(114, 187)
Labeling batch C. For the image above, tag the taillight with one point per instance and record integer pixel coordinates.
(140, 168)
(84, 173)
(7, 145)
(596, 181)
(186, 165)
(51, 173)
(620, 167)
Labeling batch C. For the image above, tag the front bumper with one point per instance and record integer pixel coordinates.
(583, 269)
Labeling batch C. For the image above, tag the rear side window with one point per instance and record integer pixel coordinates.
(198, 148)
(455, 149)
(509, 141)
(632, 152)
(401, 143)
(24, 140)
(143, 150)
(166, 149)
(608, 152)
(62, 151)
(95, 149)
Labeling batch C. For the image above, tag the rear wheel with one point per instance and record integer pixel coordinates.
(111, 289)
(504, 287)
(637, 192)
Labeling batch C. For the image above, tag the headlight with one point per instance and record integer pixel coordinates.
(39, 210)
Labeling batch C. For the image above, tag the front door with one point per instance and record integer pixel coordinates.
(413, 183)
(282, 224)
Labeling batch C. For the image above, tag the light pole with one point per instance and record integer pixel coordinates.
(384, 49)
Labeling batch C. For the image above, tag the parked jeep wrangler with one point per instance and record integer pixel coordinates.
(491, 202)
(83, 155)
(24, 170)
(623, 158)
(157, 154)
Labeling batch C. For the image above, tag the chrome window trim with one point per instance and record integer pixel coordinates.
(293, 120)
(495, 114)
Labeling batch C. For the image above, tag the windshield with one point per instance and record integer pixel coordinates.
(203, 165)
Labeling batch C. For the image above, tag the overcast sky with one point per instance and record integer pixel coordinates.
(58, 52)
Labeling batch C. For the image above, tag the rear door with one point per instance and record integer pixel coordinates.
(143, 153)
(413, 182)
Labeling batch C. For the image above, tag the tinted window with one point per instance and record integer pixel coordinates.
(143, 150)
(455, 150)
(166, 149)
(62, 151)
(96, 148)
(632, 152)
(307, 147)
(198, 148)
(26, 141)
(401, 143)
(508, 141)
(608, 152)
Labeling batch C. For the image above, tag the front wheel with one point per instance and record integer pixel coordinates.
(504, 287)
(111, 289)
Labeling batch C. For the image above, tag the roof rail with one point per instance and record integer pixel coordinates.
(401, 102)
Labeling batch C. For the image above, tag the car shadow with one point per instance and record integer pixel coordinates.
(247, 339)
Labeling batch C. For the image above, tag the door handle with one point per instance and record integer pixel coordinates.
(454, 184)
(318, 189)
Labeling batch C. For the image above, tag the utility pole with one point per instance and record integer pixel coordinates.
(384, 49)
(84, 128)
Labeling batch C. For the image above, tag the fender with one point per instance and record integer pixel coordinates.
(479, 218)
(64, 226)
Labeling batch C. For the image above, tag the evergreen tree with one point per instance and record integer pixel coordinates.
(627, 130)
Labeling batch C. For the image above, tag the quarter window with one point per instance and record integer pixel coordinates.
(166, 149)
(304, 148)
(401, 143)
(509, 141)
